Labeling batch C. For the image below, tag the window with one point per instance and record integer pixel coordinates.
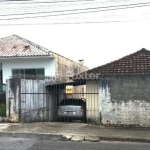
(30, 72)
(74, 102)
(18, 73)
(26, 73)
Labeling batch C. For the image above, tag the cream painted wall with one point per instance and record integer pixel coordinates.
(17, 63)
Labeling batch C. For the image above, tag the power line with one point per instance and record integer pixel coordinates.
(94, 8)
(85, 22)
(131, 6)
(46, 2)
(30, 10)
(72, 4)
(82, 3)
(54, 23)
(55, 2)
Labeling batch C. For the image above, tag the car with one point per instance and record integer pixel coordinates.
(72, 108)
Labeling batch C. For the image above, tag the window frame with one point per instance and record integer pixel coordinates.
(24, 75)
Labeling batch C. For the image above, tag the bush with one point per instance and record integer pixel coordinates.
(3, 110)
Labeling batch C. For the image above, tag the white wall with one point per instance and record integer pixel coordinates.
(17, 63)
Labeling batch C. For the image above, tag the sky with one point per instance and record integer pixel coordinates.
(96, 43)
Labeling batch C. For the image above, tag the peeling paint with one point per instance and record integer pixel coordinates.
(125, 109)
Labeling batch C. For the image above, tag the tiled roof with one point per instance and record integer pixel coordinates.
(136, 63)
(16, 46)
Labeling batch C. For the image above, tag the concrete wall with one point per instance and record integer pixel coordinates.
(13, 99)
(125, 100)
(92, 102)
(66, 67)
(26, 63)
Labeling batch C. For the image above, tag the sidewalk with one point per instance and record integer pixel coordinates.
(74, 131)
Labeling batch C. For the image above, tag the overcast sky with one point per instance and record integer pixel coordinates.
(96, 43)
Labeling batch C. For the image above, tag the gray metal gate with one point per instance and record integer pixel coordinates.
(39, 101)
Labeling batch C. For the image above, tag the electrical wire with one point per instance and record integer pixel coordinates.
(55, 2)
(85, 22)
(61, 5)
(26, 10)
(75, 13)
(107, 8)
(76, 22)
(44, 2)
(94, 8)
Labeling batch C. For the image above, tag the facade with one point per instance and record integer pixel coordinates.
(125, 100)
(123, 91)
(21, 57)
(30, 68)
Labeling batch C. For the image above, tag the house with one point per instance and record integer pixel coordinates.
(122, 91)
(21, 57)
(27, 68)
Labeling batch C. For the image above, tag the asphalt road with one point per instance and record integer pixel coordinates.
(31, 144)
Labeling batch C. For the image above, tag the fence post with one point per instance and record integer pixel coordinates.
(13, 100)
(7, 99)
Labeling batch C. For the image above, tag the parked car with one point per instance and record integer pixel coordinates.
(72, 108)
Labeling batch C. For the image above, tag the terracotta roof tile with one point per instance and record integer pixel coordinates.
(16, 46)
(136, 63)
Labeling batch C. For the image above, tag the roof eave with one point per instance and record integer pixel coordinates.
(14, 57)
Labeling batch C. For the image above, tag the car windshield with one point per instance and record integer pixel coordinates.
(74, 102)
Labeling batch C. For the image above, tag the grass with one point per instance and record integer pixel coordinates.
(3, 110)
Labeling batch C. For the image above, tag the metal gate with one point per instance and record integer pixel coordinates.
(59, 102)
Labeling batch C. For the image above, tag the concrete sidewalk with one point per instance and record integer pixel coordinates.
(74, 131)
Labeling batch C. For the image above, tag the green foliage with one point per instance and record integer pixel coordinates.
(3, 110)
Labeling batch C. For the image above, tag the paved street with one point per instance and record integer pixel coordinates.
(7, 143)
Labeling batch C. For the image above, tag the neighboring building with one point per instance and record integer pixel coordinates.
(22, 57)
(124, 91)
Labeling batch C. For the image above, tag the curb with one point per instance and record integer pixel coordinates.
(55, 137)
(33, 135)
(140, 140)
